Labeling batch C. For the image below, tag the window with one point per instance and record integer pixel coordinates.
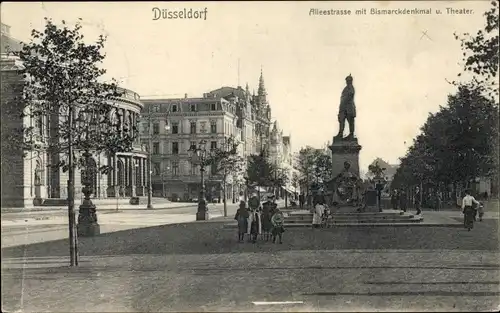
(156, 169)
(174, 107)
(213, 128)
(175, 128)
(156, 148)
(213, 145)
(212, 106)
(175, 148)
(193, 169)
(156, 108)
(156, 128)
(192, 145)
(39, 124)
(175, 168)
(213, 169)
(193, 127)
(193, 108)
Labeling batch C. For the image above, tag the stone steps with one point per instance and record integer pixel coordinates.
(369, 221)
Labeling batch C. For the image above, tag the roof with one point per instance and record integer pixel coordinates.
(9, 44)
(225, 91)
(390, 169)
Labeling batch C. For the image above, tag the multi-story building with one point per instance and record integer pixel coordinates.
(217, 115)
(29, 180)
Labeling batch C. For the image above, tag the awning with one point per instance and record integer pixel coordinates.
(288, 189)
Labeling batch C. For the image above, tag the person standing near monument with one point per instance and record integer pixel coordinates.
(468, 210)
(418, 200)
(242, 216)
(347, 109)
(403, 202)
(319, 209)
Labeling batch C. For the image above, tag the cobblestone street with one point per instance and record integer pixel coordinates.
(200, 266)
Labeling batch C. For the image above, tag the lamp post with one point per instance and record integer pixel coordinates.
(163, 180)
(201, 155)
(150, 150)
(167, 129)
(87, 218)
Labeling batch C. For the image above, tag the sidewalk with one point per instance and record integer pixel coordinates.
(103, 207)
(16, 232)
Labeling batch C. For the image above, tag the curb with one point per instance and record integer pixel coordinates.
(99, 208)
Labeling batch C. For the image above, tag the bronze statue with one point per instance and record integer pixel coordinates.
(347, 109)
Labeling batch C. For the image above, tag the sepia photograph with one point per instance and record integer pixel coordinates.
(250, 156)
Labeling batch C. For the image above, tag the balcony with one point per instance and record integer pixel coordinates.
(129, 94)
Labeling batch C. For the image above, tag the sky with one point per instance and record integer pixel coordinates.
(400, 63)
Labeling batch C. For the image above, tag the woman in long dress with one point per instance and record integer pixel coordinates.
(242, 218)
(266, 221)
(255, 225)
(317, 213)
(468, 210)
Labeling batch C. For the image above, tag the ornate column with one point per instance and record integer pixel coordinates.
(144, 172)
(115, 176)
(133, 176)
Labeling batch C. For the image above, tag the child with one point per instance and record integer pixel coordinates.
(242, 218)
(278, 229)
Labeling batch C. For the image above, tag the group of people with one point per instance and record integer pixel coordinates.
(266, 221)
(399, 200)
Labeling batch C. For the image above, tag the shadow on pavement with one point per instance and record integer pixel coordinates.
(212, 238)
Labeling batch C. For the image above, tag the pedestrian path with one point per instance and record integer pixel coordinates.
(28, 231)
(104, 207)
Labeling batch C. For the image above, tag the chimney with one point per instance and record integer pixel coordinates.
(185, 96)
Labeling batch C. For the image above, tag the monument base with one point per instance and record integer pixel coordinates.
(345, 150)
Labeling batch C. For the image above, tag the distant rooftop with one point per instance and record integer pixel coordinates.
(7, 43)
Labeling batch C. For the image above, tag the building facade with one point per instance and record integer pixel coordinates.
(217, 115)
(32, 179)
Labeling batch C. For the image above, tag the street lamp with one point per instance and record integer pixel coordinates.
(167, 129)
(201, 155)
(164, 193)
(150, 150)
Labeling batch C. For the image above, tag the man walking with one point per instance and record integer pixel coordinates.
(418, 200)
(301, 200)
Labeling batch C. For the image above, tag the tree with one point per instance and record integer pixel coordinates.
(70, 107)
(322, 168)
(455, 145)
(280, 176)
(295, 181)
(260, 172)
(315, 167)
(306, 165)
(226, 162)
(481, 54)
(376, 170)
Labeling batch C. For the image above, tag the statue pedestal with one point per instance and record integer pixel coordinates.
(345, 150)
